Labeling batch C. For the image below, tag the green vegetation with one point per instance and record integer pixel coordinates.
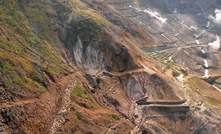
(52, 60)
(27, 45)
(193, 85)
(80, 92)
(28, 32)
(86, 21)
(79, 116)
(98, 80)
(19, 73)
(106, 123)
(114, 116)
(174, 31)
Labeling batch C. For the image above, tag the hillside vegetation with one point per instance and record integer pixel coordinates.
(37, 64)
(28, 34)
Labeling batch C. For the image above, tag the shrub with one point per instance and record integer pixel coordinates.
(175, 73)
(98, 80)
(114, 116)
(79, 116)
(79, 91)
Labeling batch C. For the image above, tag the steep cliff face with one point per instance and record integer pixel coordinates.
(153, 86)
(104, 42)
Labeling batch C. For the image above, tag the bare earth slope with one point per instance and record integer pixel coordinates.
(76, 66)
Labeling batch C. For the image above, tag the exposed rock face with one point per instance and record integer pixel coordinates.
(133, 87)
(63, 33)
(78, 53)
(93, 58)
(153, 86)
(110, 56)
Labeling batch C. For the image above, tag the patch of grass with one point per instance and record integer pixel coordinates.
(79, 116)
(114, 116)
(27, 16)
(87, 21)
(52, 58)
(7, 46)
(106, 122)
(79, 91)
(29, 48)
(193, 85)
(15, 72)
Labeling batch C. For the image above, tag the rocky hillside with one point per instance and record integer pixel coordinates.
(76, 66)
